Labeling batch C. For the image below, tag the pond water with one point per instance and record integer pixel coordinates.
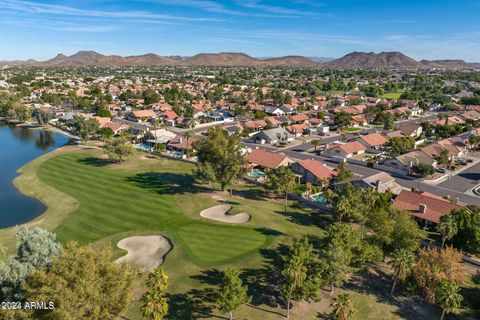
(18, 146)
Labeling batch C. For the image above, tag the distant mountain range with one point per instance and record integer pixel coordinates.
(352, 60)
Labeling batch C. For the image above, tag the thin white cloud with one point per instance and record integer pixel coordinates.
(41, 8)
(206, 5)
(258, 5)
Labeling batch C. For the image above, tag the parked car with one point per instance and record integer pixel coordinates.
(441, 170)
(461, 161)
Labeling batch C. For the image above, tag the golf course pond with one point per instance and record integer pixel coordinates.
(18, 146)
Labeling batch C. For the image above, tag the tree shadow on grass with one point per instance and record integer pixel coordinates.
(196, 303)
(269, 232)
(166, 182)
(96, 162)
(264, 282)
(378, 283)
(296, 214)
(251, 194)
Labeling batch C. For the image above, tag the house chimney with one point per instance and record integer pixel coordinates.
(377, 184)
(180, 140)
(422, 208)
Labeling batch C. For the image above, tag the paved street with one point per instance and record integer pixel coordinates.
(463, 181)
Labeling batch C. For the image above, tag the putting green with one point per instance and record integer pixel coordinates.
(113, 201)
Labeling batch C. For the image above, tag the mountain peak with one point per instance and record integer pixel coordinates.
(392, 59)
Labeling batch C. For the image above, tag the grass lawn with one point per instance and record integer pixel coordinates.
(102, 203)
(392, 95)
(352, 129)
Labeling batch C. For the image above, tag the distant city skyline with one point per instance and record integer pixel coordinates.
(428, 29)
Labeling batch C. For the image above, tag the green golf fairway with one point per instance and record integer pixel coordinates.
(113, 201)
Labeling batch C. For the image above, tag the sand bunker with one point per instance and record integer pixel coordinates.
(146, 251)
(218, 213)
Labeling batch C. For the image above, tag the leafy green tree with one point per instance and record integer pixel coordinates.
(84, 128)
(474, 141)
(348, 203)
(449, 297)
(388, 122)
(155, 304)
(402, 265)
(104, 113)
(343, 308)
(301, 273)
(342, 119)
(231, 294)
(447, 228)
(35, 249)
(468, 236)
(105, 133)
(443, 157)
(406, 233)
(118, 149)
(281, 180)
(150, 96)
(399, 145)
(343, 174)
(220, 158)
(41, 116)
(21, 111)
(344, 251)
(78, 275)
(423, 169)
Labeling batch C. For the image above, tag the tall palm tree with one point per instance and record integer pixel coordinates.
(315, 143)
(449, 297)
(402, 264)
(343, 308)
(188, 136)
(294, 275)
(448, 228)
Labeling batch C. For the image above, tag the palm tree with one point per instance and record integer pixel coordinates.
(315, 143)
(449, 297)
(402, 264)
(156, 124)
(343, 308)
(447, 227)
(294, 275)
(188, 136)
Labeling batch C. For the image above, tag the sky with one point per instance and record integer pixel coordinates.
(422, 29)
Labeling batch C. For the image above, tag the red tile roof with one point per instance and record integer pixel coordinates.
(350, 147)
(299, 117)
(255, 124)
(374, 139)
(170, 115)
(317, 168)
(266, 159)
(436, 206)
(143, 113)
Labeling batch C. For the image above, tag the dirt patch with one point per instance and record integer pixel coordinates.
(146, 251)
(219, 213)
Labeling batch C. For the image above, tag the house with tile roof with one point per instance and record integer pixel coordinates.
(380, 182)
(313, 171)
(265, 159)
(425, 207)
(372, 140)
(141, 115)
(406, 161)
(346, 150)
